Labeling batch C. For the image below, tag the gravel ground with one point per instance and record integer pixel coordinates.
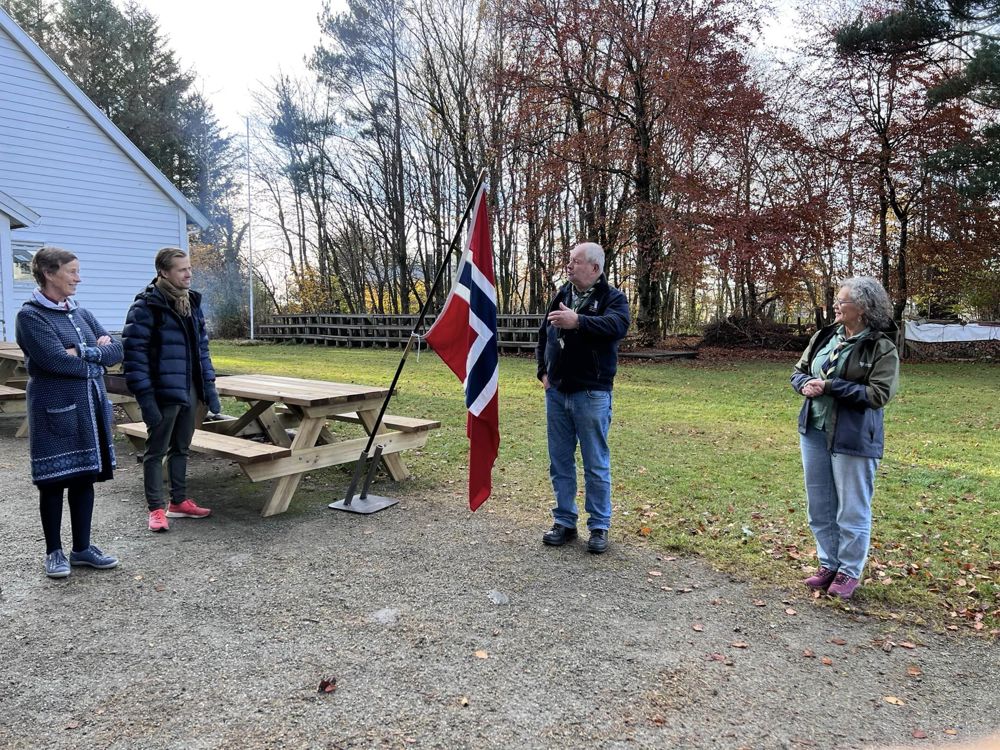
(442, 630)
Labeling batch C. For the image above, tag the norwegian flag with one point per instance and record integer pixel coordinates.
(465, 337)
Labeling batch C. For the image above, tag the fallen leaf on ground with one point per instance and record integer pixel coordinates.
(951, 732)
(716, 657)
(790, 611)
(838, 641)
(918, 734)
(482, 654)
(809, 653)
(739, 644)
(645, 531)
(73, 725)
(827, 661)
(894, 700)
(327, 686)
(697, 627)
(914, 671)
(464, 701)
(656, 572)
(759, 603)
(907, 644)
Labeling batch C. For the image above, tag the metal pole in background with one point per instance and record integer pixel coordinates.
(249, 232)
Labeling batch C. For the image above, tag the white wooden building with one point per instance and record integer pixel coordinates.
(70, 178)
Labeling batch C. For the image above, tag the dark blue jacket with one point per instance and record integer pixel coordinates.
(66, 395)
(165, 355)
(587, 360)
(868, 380)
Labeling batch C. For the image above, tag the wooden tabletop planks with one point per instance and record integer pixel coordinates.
(296, 391)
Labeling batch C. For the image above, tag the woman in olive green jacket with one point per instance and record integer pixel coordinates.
(848, 373)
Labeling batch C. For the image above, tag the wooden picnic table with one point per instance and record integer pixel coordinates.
(14, 378)
(278, 406)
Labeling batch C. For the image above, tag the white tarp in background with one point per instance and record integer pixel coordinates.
(936, 333)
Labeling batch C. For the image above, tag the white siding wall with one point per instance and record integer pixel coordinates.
(93, 200)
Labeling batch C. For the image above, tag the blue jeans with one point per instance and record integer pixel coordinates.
(839, 492)
(583, 417)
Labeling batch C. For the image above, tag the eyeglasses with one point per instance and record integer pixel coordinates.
(841, 302)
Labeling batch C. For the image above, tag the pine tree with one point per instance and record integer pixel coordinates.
(961, 36)
(36, 17)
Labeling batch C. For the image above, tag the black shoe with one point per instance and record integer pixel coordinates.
(558, 535)
(598, 543)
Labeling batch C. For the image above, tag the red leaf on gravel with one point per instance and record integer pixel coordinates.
(759, 603)
(838, 641)
(327, 686)
(914, 671)
(697, 627)
(790, 612)
(715, 657)
(809, 653)
(739, 644)
(907, 644)
(72, 725)
(827, 661)
(918, 734)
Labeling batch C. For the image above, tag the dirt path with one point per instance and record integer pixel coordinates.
(443, 630)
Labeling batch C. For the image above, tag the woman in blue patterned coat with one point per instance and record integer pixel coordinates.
(69, 415)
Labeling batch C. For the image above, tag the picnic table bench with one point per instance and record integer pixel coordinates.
(237, 449)
(293, 414)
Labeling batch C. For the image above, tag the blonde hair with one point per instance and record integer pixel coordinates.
(165, 257)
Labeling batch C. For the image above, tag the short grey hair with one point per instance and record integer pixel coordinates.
(871, 297)
(49, 259)
(593, 252)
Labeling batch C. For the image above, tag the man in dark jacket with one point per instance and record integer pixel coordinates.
(169, 371)
(577, 360)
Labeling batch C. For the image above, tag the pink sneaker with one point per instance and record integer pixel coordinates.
(843, 586)
(820, 579)
(187, 509)
(158, 520)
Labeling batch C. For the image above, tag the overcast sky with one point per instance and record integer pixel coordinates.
(237, 47)
(235, 50)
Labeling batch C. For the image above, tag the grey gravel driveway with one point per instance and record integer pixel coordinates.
(442, 629)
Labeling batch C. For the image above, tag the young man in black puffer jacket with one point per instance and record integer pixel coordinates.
(169, 371)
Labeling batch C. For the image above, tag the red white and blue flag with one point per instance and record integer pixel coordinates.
(465, 337)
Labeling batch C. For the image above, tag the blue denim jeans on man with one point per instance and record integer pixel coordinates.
(584, 417)
(839, 490)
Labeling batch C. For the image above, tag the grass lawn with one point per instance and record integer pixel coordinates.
(705, 460)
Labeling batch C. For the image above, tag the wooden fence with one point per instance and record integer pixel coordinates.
(515, 333)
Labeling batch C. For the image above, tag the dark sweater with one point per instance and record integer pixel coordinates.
(587, 358)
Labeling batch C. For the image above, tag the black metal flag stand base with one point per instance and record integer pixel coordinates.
(364, 503)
